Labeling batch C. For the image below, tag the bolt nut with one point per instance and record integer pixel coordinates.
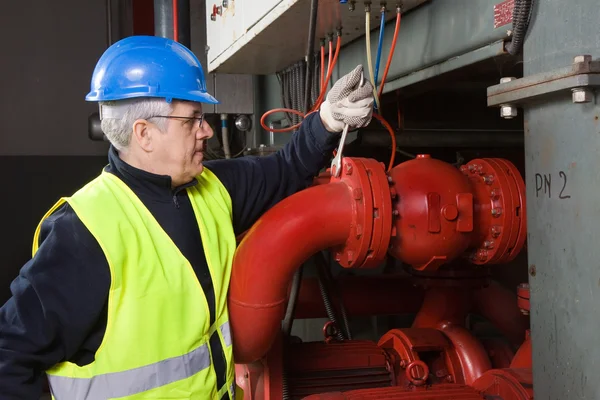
(393, 193)
(508, 111)
(357, 193)
(582, 95)
(495, 194)
(496, 212)
(496, 231)
(482, 255)
(532, 270)
(507, 79)
(488, 244)
(582, 58)
(348, 169)
(464, 169)
(488, 179)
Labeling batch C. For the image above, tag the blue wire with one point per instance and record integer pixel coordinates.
(379, 47)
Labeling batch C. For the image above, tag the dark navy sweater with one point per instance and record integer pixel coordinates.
(57, 311)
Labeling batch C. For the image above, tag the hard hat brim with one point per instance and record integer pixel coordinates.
(195, 96)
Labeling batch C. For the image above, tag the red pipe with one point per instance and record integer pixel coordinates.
(175, 22)
(450, 304)
(279, 242)
(471, 353)
(523, 357)
(499, 306)
(362, 296)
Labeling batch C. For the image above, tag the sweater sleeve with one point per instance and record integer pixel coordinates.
(255, 184)
(58, 296)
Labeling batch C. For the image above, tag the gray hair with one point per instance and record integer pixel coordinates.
(117, 117)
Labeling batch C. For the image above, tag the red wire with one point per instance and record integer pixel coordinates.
(389, 60)
(392, 136)
(175, 24)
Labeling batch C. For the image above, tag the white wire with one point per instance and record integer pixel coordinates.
(369, 59)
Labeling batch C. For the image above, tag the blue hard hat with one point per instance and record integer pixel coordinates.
(149, 66)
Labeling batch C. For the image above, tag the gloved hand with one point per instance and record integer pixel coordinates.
(348, 103)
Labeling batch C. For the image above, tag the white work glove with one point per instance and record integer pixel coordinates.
(348, 103)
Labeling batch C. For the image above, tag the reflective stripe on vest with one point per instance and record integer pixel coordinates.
(119, 384)
(161, 336)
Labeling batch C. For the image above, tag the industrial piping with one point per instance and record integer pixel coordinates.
(438, 214)
(310, 221)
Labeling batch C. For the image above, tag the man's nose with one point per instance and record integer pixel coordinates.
(204, 131)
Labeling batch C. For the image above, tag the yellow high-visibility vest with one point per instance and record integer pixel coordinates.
(159, 343)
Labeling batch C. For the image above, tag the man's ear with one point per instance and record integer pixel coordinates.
(142, 134)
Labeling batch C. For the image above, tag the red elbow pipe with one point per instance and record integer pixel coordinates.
(312, 220)
(352, 215)
(473, 358)
(499, 306)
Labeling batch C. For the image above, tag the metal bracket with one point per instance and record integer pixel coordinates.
(580, 79)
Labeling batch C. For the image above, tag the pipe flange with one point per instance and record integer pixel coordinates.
(353, 253)
(523, 296)
(382, 212)
(500, 193)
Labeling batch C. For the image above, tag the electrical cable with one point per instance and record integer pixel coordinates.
(380, 43)
(369, 58)
(329, 58)
(392, 48)
(522, 12)
(392, 137)
(288, 319)
(322, 64)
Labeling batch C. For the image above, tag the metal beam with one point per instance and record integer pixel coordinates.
(430, 34)
(562, 168)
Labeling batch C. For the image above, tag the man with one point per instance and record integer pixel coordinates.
(125, 295)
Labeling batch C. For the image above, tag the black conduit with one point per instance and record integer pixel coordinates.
(288, 319)
(310, 53)
(521, 18)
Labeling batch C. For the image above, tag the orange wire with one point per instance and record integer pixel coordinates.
(392, 136)
(389, 60)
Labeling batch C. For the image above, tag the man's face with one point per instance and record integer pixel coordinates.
(179, 150)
